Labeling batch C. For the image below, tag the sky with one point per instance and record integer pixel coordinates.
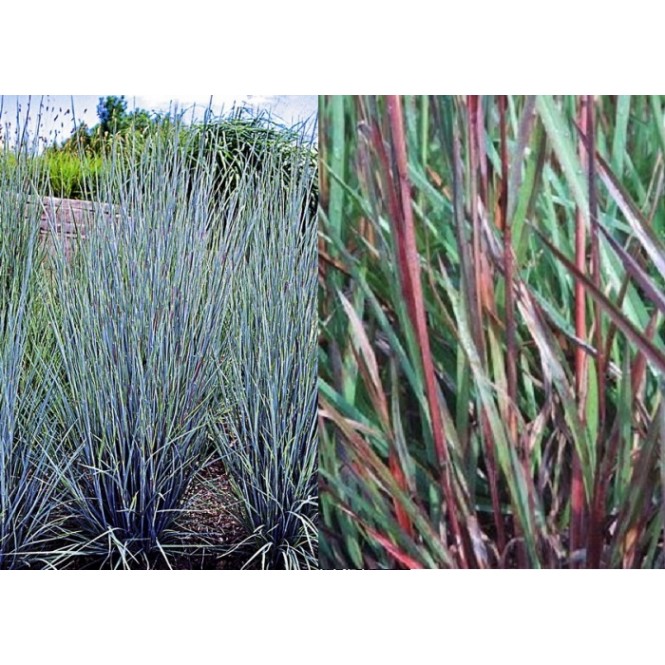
(57, 116)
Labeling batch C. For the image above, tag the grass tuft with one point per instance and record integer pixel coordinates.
(268, 439)
(491, 312)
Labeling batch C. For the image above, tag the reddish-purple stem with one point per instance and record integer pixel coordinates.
(478, 163)
(414, 297)
(577, 489)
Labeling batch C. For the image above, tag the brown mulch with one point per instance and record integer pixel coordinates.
(208, 518)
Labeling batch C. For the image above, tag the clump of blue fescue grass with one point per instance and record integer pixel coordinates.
(28, 483)
(139, 323)
(268, 441)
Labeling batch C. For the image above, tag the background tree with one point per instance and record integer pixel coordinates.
(112, 114)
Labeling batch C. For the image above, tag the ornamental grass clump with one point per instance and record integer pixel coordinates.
(240, 142)
(268, 440)
(28, 483)
(139, 315)
(492, 352)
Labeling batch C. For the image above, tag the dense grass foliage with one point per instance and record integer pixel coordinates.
(70, 176)
(491, 301)
(125, 364)
(272, 375)
(141, 316)
(239, 143)
(27, 481)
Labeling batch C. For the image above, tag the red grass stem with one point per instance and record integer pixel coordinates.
(414, 297)
(577, 488)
